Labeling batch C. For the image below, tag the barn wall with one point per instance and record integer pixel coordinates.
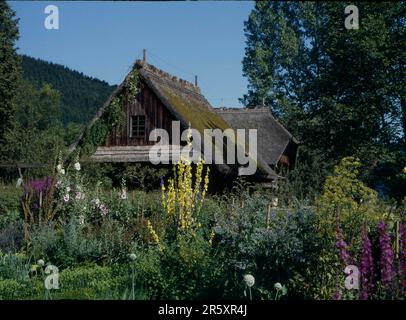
(156, 116)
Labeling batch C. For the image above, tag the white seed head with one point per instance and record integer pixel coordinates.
(249, 280)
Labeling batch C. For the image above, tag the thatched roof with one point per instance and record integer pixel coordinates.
(181, 98)
(273, 138)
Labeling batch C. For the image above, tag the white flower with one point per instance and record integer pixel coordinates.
(96, 202)
(59, 168)
(41, 262)
(67, 189)
(62, 171)
(66, 197)
(77, 166)
(274, 202)
(79, 195)
(249, 280)
(278, 286)
(133, 256)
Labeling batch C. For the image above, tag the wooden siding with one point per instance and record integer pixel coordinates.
(156, 116)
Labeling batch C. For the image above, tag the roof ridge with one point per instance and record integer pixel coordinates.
(243, 110)
(165, 75)
(196, 91)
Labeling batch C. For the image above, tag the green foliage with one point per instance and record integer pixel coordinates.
(9, 199)
(145, 177)
(346, 202)
(339, 91)
(37, 135)
(273, 246)
(11, 289)
(112, 117)
(64, 247)
(90, 282)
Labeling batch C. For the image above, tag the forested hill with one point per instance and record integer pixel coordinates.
(81, 96)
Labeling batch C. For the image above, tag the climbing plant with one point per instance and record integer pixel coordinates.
(112, 117)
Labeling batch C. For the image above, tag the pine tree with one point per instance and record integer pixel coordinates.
(9, 68)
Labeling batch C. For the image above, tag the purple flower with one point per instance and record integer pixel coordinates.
(367, 269)
(38, 189)
(338, 295)
(402, 256)
(342, 247)
(387, 264)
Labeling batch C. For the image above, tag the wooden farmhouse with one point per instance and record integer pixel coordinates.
(162, 98)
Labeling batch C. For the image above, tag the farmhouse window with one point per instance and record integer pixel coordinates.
(138, 126)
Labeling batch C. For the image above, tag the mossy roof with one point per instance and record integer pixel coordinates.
(187, 104)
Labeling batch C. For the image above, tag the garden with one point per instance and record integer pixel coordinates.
(179, 241)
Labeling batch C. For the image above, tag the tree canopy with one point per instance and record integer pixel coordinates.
(338, 90)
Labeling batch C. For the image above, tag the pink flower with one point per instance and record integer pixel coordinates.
(103, 210)
(79, 195)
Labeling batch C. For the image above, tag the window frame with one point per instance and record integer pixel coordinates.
(136, 133)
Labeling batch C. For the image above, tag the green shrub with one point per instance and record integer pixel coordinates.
(88, 282)
(11, 289)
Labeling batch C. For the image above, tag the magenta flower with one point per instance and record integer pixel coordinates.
(342, 247)
(387, 257)
(367, 269)
(39, 186)
(402, 256)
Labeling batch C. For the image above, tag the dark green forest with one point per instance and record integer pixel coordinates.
(81, 96)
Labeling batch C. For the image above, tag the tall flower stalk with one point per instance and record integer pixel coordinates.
(387, 256)
(402, 255)
(342, 247)
(367, 267)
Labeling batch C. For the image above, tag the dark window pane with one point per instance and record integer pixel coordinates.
(137, 126)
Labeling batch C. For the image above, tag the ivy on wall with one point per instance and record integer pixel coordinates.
(112, 117)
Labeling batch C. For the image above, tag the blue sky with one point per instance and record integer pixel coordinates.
(103, 39)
